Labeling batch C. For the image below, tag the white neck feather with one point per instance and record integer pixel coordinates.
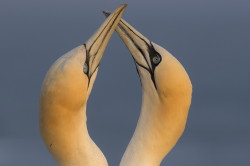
(160, 125)
(66, 136)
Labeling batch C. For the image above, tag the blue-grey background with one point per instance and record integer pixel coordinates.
(211, 38)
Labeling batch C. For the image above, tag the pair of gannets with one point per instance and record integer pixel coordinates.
(166, 89)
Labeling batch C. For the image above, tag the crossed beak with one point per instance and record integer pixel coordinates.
(142, 49)
(96, 45)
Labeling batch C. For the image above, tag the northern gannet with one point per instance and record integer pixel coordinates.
(64, 96)
(166, 98)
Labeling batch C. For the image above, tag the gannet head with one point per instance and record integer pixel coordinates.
(161, 74)
(71, 77)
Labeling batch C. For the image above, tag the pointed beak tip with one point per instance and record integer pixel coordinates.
(122, 7)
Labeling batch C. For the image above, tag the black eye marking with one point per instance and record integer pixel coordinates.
(154, 56)
(156, 59)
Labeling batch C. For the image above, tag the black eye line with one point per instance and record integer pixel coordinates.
(152, 53)
(138, 72)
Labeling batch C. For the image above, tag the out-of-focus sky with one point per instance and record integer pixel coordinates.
(210, 38)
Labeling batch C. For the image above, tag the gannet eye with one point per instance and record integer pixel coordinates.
(156, 59)
(85, 68)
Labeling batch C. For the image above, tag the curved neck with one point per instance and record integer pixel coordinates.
(160, 125)
(66, 137)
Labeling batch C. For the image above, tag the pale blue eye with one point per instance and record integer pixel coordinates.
(85, 68)
(156, 59)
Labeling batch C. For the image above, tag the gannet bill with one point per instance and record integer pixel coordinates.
(64, 96)
(166, 98)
